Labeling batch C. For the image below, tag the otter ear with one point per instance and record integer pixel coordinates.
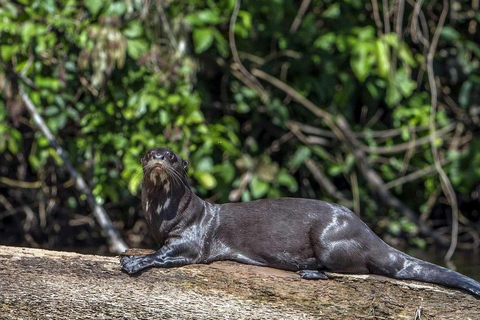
(142, 161)
(185, 164)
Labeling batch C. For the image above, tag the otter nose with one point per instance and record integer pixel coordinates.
(158, 156)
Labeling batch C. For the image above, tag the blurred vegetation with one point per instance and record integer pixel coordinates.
(116, 78)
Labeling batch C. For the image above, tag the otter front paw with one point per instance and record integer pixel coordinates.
(134, 264)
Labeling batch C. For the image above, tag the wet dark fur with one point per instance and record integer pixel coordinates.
(307, 236)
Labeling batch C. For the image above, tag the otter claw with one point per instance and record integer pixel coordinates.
(134, 264)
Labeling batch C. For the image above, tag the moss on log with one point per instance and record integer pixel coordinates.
(61, 285)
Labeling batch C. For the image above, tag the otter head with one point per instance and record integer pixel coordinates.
(164, 168)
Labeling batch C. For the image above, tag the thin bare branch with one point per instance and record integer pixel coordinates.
(21, 184)
(402, 147)
(236, 57)
(414, 175)
(343, 132)
(355, 192)
(325, 183)
(299, 17)
(415, 31)
(117, 245)
(166, 27)
(386, 16)
(376, 16)
(446, 184)
(407, 145)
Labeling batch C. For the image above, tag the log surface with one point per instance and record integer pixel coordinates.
(40, 284)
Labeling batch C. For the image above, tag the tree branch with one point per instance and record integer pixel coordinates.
(236, 57)
(326, 184)
(342, 131)
(299, 17)
(446, 185)
(116, 243)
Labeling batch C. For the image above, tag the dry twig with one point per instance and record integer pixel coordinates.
(326, 184)
(236, 58)
(343, 132)
(299, 17)
(117, 245)
(446, 184)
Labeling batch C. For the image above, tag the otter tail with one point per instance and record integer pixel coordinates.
(404, 267)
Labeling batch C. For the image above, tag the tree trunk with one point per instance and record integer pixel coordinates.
(61, 285)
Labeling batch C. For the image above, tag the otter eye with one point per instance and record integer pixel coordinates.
(171, 156)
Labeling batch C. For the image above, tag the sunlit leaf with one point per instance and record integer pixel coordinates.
(202, 39)
(287, 180)
(94, 6)
(206, 179)
(258, 187)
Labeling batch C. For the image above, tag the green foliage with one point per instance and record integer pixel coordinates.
(116, 78)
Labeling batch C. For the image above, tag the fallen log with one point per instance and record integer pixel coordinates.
(39, 284)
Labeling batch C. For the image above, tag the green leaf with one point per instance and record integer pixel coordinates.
(117, 9)
(335, 170)
(134, 184)
(61, 120)
(419, 242)
(246, 197)
(221, 43)
(406, 55)
(164, 117)
(7, 52)
(72, 202)
(227, 171)
(394, 227)
(202, 39)
(373, 90)
(246, 19)
(258, 188)
(465, 94)
(204, 17)
(13, 146)
(449, 34)
(205, 164)
(206, 179)
(242, 107)
(332, 12)
(325, 41)
(133, 30)
(361, 61)
(287, 180)
(47, 82)
(174, 99)
(28, 31)
(136, 47)
(94, 6)
(393, 95)
(383, 58)
(302, 154)
(195, 117)
(245, 162)
(268, 171)
(51, 111)
(208, 16)
(404, 83)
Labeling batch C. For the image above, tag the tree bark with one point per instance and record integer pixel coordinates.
(39, 284)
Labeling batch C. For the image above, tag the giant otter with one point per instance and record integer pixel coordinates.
(307, 236)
